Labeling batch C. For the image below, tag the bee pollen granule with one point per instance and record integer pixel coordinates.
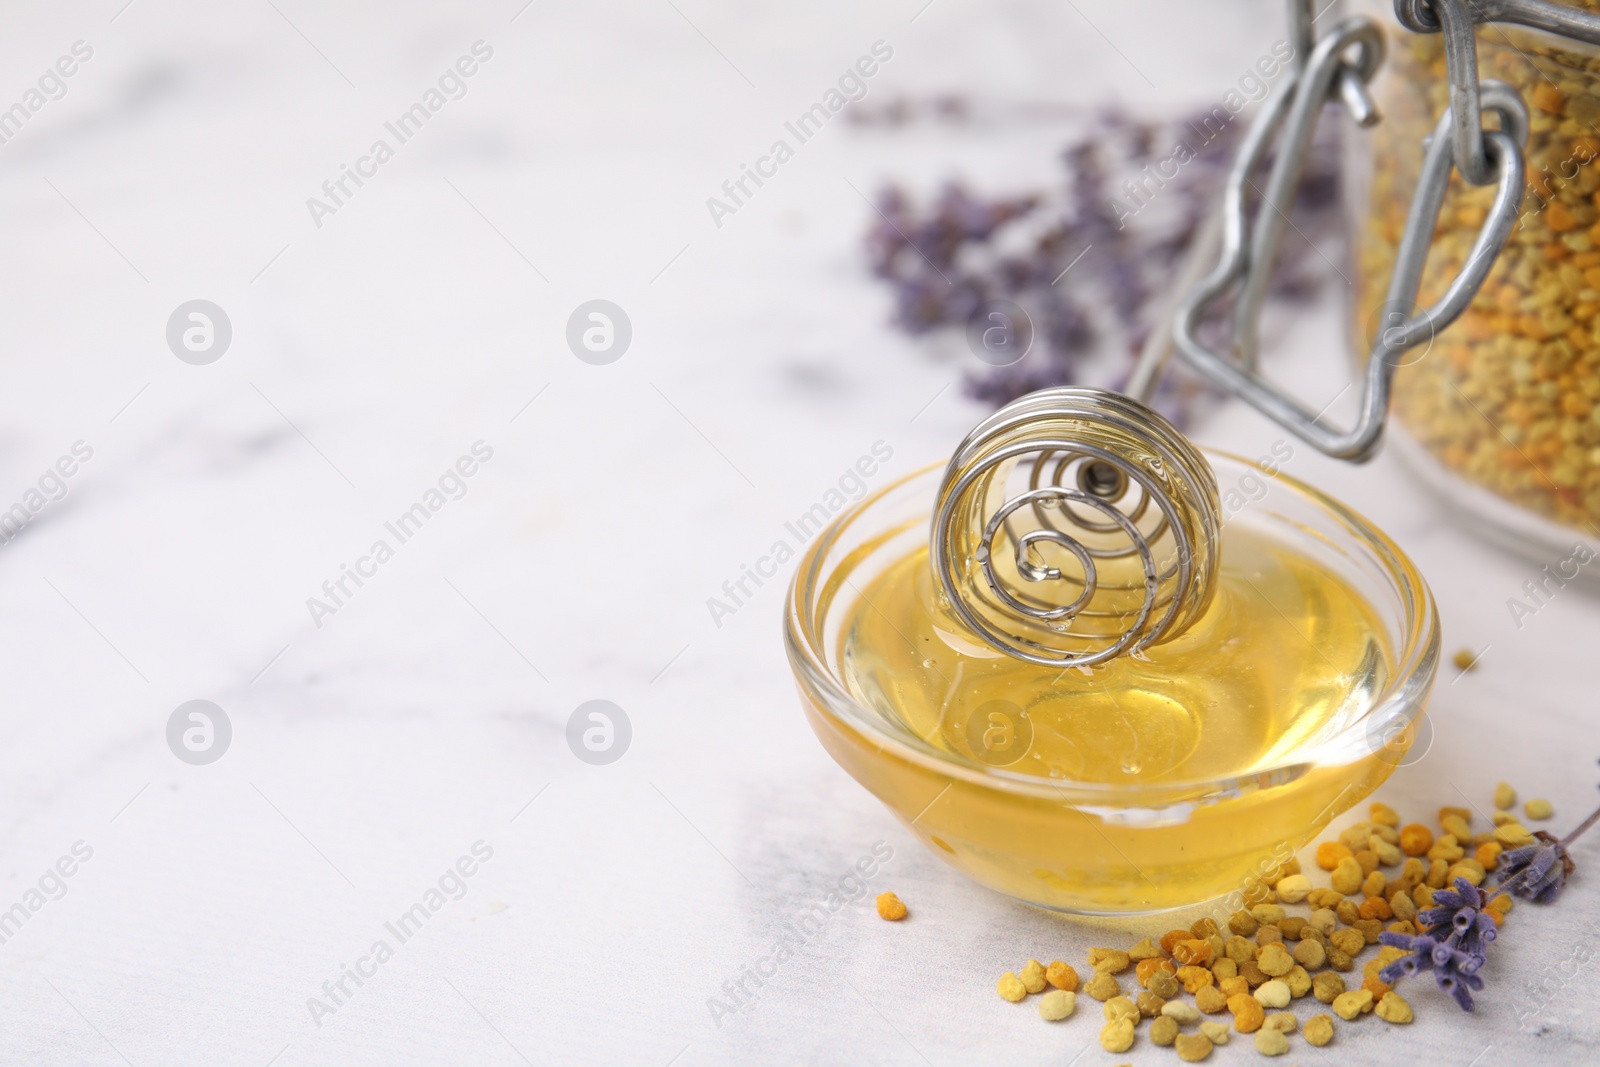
(1210, 1000)
(1057, 1005)
(1062, 976)
(1283, 1021)
(1273, 994)
(1102, 987)
(1122, 1008)
(1393, 1008)
(1117, 1036)
(1272, 1042)
(1348, 1005)
(1248, 1015)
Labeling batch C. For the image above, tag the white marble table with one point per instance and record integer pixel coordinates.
(375, 746)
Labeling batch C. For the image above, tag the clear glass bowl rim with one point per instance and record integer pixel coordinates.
(1402, 700)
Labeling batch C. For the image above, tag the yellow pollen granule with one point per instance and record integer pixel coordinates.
(1057, 1005)
(1117, 1036)
(1062, 976)
(1102, 987)
(1273, 994)
(1393, 1008)
(1121, 1008)
(1282, 1021)
(890, 907)
(1272, 1042)
(1348, 1005)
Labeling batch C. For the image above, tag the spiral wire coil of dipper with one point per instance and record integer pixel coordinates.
(1076, 525)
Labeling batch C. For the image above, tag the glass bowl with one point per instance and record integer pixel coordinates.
(1095, 848)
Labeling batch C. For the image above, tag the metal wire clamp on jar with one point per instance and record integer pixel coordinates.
(1501, 417)
(1529, 479)
(1460, 141)
(1112, 483)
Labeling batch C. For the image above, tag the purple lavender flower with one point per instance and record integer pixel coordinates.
(1539, 872)
(1124, 210)
(1535, 872)
(1456, 956)
(1457, 929)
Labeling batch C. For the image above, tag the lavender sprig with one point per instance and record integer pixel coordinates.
(1454, 959)
(945, 260)
(1538, 872)
(1534, 872)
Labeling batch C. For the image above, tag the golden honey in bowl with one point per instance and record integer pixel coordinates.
(1109, 713)
(1285, 651)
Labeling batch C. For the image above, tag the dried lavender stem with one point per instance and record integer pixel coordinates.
(1594, 816)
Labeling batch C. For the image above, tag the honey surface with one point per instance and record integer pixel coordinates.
(1286, 653)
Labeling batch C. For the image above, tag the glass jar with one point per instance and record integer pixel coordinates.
(1501, 412)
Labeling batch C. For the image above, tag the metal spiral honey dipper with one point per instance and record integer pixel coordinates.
(1128, 505)
(1112, 484)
